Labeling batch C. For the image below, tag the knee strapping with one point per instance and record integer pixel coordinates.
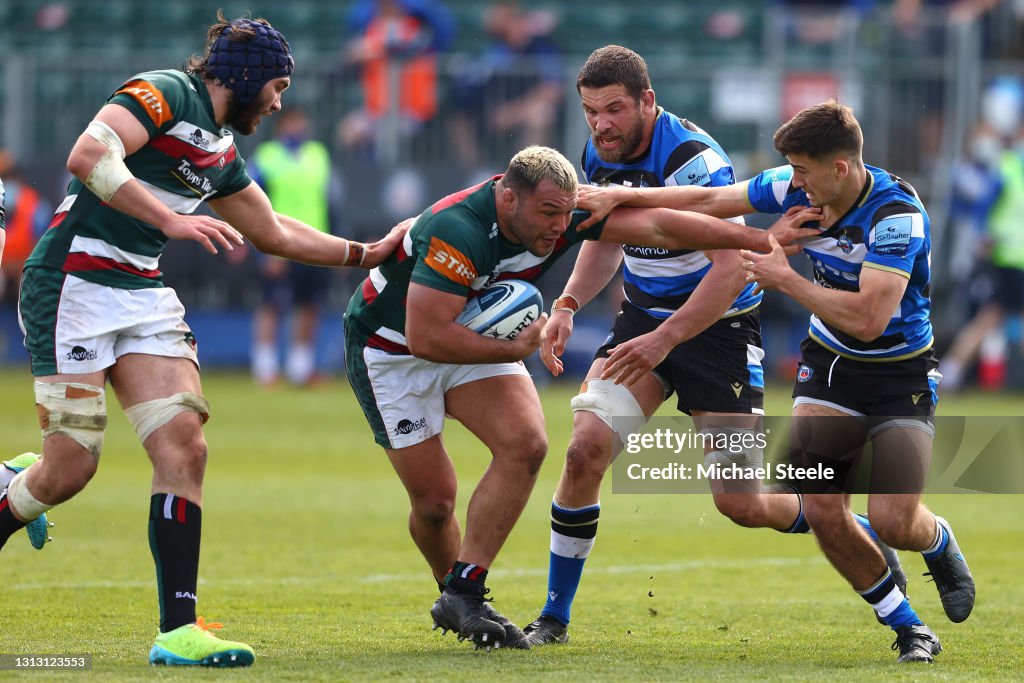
(76, 410)
(613, 404)
(743, 448)
(149, 416)
(24, 503)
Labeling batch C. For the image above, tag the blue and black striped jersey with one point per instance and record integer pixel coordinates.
(886, 229)
(660, 280)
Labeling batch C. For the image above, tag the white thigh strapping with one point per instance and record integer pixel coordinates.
(614, 404)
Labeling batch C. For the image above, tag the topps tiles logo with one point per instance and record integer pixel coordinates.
(194, 180)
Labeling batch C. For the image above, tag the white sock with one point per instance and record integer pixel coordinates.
(6, 474)
(264, 363)
(300, 364)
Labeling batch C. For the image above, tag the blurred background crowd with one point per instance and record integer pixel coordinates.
(395, 103)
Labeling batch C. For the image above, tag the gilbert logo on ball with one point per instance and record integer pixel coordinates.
(503, 310)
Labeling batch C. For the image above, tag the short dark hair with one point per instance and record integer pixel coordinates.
(821, 131)
(615, 65)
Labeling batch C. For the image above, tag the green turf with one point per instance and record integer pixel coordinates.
(306, 557)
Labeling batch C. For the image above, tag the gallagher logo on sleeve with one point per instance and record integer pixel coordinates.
(892, 235)
(695, 172)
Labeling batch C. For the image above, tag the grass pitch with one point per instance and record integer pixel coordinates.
(306, 557)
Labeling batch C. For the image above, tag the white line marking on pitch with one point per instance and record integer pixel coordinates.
(381, 578)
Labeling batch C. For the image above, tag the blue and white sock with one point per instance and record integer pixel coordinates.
(938, 545)
(573, 531)
(889, 603)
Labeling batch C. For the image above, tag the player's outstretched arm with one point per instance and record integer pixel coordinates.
(725, 201)
(377, 252)
(670, 229)
(272, 233)
(433, 334)
(97, 159)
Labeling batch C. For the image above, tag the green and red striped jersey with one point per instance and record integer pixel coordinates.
(454, 246)
(188, 159)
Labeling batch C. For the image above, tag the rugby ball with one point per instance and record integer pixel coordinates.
(503, 310)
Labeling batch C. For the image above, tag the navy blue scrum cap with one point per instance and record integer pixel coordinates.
(245, 66)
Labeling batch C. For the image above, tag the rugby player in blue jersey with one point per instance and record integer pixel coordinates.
(689, 325)
(868, 358)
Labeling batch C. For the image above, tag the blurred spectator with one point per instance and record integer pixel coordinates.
(395, 50)
(925, 29)
(28, 215)
(816, 22)
(975, 172)
(3, 226)
(1008, 28)
(1002, 105)
(295, 172)
(1002, 204)
(907, 14)
(975, 186)
(513, 92)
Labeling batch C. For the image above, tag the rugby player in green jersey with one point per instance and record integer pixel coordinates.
(411, 364)
(94, 307)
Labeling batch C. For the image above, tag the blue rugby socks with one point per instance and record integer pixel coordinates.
(889, 602)
(573, 531)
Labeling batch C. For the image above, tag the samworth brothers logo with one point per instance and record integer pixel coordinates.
(197, 139)
(408, 426)
(80, 353)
